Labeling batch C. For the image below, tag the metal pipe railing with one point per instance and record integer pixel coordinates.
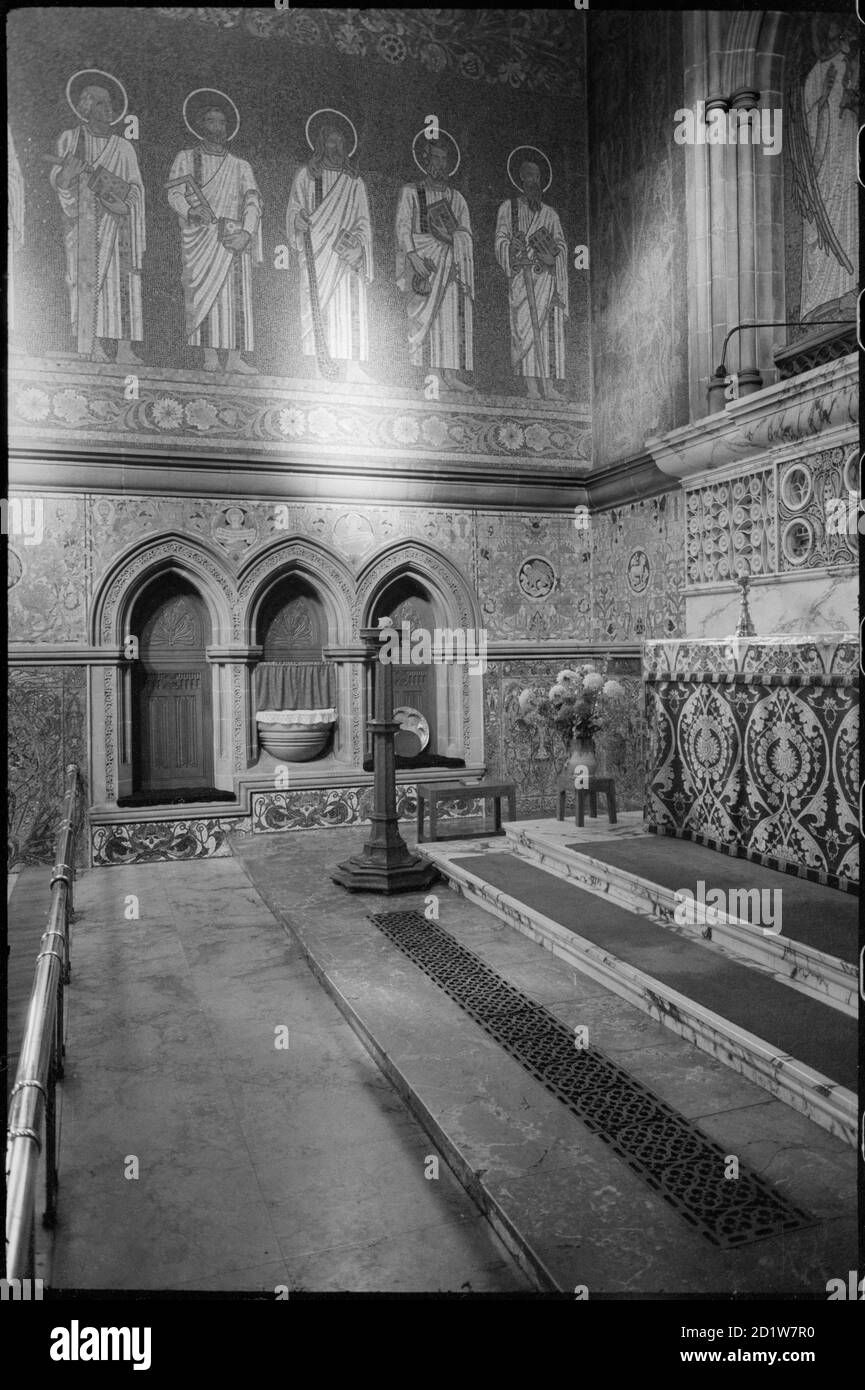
(40, 1065)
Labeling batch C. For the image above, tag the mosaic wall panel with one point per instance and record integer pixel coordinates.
(533, 760)
(73, 407)
(48, 571)
(766, 766)
(47, 730)
(637, 570)
(495, 82)
(153, 842)
(637, 202)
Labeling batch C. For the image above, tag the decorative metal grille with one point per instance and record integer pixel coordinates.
(664, 1148)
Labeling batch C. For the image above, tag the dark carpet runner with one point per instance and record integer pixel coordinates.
(794, 1024)
(823, 918)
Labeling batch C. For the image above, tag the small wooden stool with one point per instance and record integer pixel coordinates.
(605, 785)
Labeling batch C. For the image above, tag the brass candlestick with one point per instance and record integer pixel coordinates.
(745, 627)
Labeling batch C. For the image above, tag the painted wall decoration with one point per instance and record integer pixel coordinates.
(822, 103)
(638, 233)
(638, 570)
(230, 168)
(47, 731)
(47, 602)
(757, 751)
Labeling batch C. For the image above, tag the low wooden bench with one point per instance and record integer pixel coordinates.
(605, 785)
(434, 792)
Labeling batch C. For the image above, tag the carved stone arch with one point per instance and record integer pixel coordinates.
(132, 571)
(459, 693)
(323, 570)
(439, 575)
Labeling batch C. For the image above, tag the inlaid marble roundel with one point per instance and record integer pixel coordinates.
(536, 577)
(796, 487)
(797, 541)
(14, 568)
(638, 571)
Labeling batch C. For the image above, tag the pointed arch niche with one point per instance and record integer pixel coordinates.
(162, 567)
(413, 583)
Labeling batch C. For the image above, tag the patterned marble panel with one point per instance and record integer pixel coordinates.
(317, 808)
(239, 529)
(47, 729)
(637, 570)
(152, 842)
(518, 753)
(533, 577)
(47, 581)
(771, 768)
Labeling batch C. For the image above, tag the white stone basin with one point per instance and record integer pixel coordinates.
(295, 735)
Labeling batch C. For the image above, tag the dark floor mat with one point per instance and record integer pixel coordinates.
(794, 1024)
(820, 917)
(178, 796)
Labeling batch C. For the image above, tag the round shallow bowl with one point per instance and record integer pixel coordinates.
(294, 743)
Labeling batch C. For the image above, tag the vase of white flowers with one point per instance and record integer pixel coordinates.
(579, 706)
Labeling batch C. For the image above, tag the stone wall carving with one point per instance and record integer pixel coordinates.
(785, 517)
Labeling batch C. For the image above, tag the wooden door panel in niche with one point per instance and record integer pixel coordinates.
(172, 707)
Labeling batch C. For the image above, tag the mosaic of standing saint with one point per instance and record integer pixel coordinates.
(98, 183)
(218, 207)
(531, 249)
(435, 262)
(328, 224)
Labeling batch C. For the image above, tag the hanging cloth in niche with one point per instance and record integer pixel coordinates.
(306, 685)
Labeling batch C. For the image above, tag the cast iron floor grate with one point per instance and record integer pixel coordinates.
(679, 1162)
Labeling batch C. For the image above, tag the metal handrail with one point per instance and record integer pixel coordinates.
(40, 1065)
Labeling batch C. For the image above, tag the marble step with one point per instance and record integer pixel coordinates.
(798, 1085)
(824, 977)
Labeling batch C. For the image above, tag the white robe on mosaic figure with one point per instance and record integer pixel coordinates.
(217, 282)
(342, 288)
(545, 359)
(104, 250)
(440, 324)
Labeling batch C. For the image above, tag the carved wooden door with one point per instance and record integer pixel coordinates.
(173, 708)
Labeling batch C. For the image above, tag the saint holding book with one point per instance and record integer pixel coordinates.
(218, 207)
(435, 265)
(328, 224)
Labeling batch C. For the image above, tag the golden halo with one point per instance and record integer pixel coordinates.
(216, 92)
(534, 149)
(441, 133)
(99, 73)
(332, 111)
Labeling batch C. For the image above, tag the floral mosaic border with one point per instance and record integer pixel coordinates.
(78, 406)
(528, 50)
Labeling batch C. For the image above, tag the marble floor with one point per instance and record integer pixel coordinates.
(260, 1166)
